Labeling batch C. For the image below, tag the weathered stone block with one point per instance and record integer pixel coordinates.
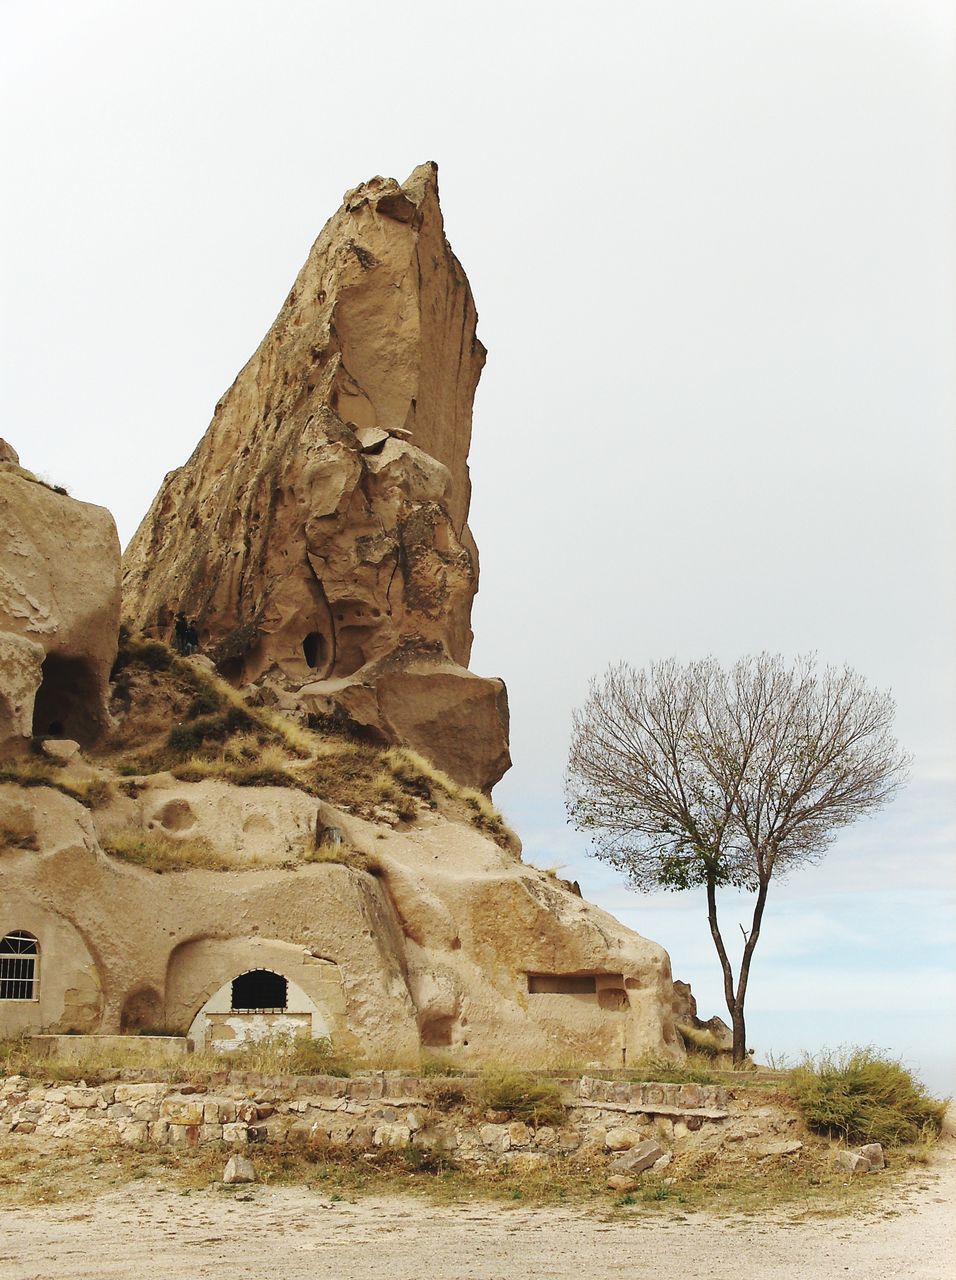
(159, 1132)
(182, 1111)
(138, 1092)
(622, 1138)
(392, 1135)
(183, 1135)
(689, 1095)
(519, 1134)
(638, 1158)
(496, 1137)
(851, 1162)
(132, 1133)
(238, 1169)
(235, 1132)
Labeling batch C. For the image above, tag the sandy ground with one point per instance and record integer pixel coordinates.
(292, 1234)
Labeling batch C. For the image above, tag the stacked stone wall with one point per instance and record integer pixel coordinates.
(389, 1111)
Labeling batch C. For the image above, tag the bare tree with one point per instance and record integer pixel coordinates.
(693, 775)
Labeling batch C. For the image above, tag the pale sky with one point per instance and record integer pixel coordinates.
(712, 251)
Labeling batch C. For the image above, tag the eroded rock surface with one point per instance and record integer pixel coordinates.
(59, 609)
(320, 527)
(448, 944)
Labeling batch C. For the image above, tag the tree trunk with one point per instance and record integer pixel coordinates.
(740, 1034)
(735, 1004)
(735, 999)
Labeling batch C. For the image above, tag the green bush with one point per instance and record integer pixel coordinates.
(863, 1095)
(136, 649)
(186, 738)
(696, 1069)
(536, 1102)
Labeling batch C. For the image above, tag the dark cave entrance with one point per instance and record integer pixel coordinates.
(315, 649)
(67, 703)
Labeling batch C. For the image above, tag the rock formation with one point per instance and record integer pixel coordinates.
(319, 531)
(59, 609)
(316, 883)
(452, 945)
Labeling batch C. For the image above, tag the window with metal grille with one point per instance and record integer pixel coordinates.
(260, 991)
(19, 956)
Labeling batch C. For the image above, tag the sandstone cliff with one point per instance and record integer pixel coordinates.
(445, 943)
(59, 609)
(319, 531)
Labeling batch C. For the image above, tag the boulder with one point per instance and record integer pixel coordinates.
(59, 611)
(418, 699)
(638, 1158)
(60, 750)
(8, 454)
(320, 526)
(238, 1169)
(621, 1182)
(623, 1138)
(850, 1162)
(873, 1152)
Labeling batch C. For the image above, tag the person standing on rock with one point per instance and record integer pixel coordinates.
(192, 638)
(180, 633)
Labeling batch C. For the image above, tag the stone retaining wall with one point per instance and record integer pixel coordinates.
(382, 1111)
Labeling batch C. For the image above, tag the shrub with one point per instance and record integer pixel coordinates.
(696, 1069)
(214, 728)
(135, 648)
(205, 703)
(537, 1102)
(863, 1095)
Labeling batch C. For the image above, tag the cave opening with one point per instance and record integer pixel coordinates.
(67, 703)
(314, 648)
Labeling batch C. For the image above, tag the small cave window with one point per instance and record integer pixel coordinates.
(314, 649)
(562, 984)
(19, 963)
(260, 991)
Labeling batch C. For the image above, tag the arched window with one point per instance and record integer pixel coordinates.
(260, 991)
(19, 964)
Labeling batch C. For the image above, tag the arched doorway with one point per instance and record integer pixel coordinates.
(257, 1005)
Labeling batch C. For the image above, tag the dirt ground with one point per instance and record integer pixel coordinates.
(288, 1233)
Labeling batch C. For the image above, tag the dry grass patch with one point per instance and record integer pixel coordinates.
(159, 852)
(700, 1041)
(17, 828)
(533, 1099)
(32, 1172)
(175, 716)
(345, 856)
(242, 762)
(92, 792)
